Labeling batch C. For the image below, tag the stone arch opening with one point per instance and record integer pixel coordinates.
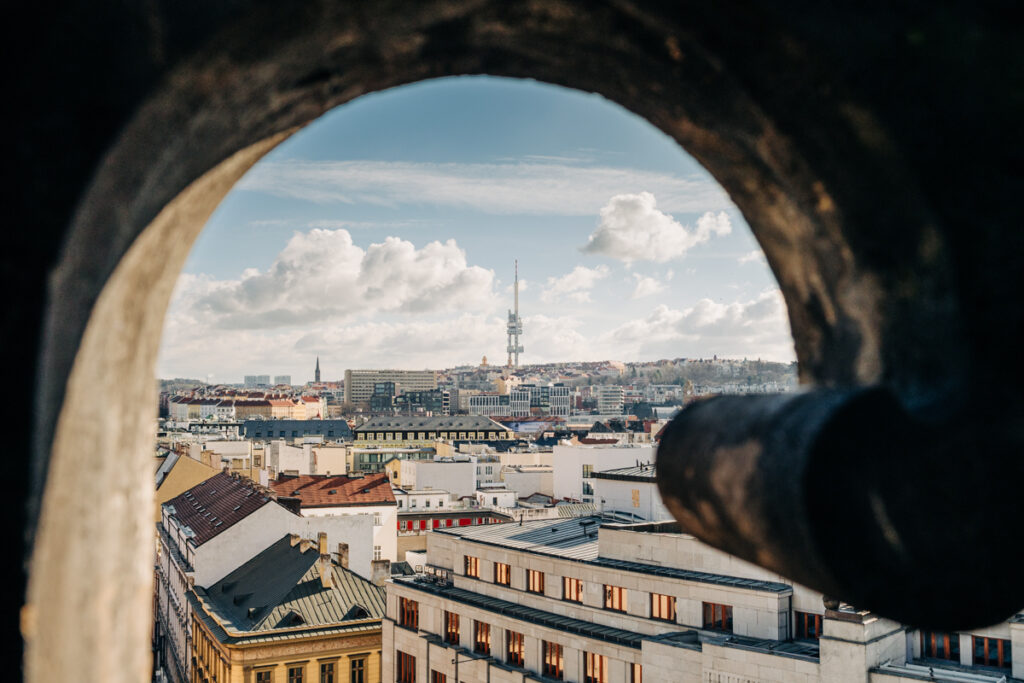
(804, 155)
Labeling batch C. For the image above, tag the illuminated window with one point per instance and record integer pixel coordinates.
(534, 581)
(502, 573)
(471, 566)
(551, 660)
(718, 617)
(663, 607)
(451, 628)
(408, 613)
(514, 648)
(405, 668)
(992, 652)
(481, 638)
(615, 597)
(940, 645)
(595, 668)
(808, 625)
(572, 589)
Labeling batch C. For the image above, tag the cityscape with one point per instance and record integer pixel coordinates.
(488, 522)
(385, 455)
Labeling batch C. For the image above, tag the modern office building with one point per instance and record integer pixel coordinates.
(359, 384)
(253, 381)
(590, 601)
(610, 399)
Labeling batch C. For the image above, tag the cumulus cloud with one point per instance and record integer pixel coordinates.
(531, 186)
(647, 286)
(632, 228)
(321, 276)
(574, 285)
(757, 327)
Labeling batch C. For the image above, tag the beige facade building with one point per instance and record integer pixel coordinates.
(597, 602)
(359, 383)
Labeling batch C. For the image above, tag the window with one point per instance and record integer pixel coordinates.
(663, 607)
(376, 519)
(551, 660)
(437, 677)
(357, 670)
(327, 672)
(264, 676)
(426, 504)
(940, 645)
(376, 552)
(992, 652)
(514, 648)
(502, 573)
(408, 613)
(588, 471)
(534, 581)
(718, 617)
(595, 668)
(471, 566)
(405, 668)
(295, 674)
(572, 589)
(808, 625)
(451, 628)
(481, 638)
(636, 672)
(615, 598)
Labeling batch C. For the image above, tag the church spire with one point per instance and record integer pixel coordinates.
(316, 375)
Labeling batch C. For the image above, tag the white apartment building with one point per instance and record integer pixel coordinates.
(456, 476)
(610, 398)
(526, 480)
(575, 464)
(630, 492)
(423, 500)
(594, 602)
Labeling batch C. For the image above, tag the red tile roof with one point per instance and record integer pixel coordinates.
(337, 491)
(213, 506)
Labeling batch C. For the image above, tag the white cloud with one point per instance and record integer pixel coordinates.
(758, 327)
(321, 276)
(574, 285)
(526, 187)
(755, 256)
(647, 286)
(632, 228)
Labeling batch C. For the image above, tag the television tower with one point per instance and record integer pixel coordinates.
(515, 327)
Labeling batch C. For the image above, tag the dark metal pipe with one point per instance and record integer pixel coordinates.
(847, 493)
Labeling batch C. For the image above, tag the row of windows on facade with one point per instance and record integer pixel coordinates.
(616, 598)
(424, 436)
(422, 524)
(283, 433)
(552, 661)
(329, 672)
(992, 652)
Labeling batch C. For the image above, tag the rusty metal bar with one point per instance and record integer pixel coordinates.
(847, 493)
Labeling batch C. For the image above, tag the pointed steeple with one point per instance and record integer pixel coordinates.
(316, 375)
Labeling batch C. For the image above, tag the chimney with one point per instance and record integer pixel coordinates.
(380, 571)
(343, 555)
(326, 572)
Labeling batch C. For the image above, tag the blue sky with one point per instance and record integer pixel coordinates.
(384, 235)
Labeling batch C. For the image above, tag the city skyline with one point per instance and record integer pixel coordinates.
(360, 240)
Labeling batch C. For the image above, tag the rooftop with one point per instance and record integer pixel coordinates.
(644, 473)
(215, 505)
(335, 491)
(457, 422)
(282, 589)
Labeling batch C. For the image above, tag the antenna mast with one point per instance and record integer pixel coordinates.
(515, 327)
